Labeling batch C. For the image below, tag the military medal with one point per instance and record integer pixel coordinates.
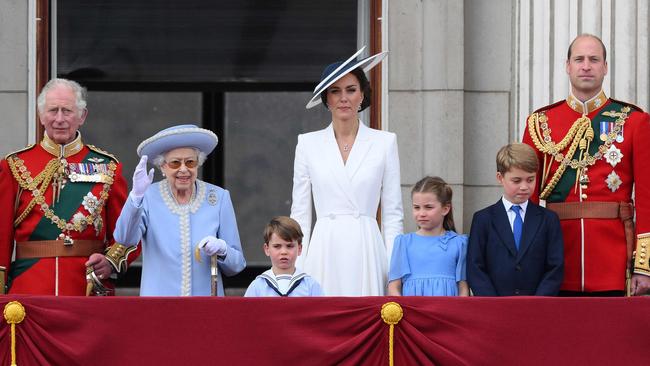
(605, 128)
(619, 137)
(613, 155)
(89, 172)
(613, 181)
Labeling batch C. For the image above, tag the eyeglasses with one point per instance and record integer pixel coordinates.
(189, 163)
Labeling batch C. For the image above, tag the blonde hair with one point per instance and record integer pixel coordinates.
(284, 227)
(517, 155)
(443, 192)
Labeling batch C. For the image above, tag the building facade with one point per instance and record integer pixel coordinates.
(460, 78)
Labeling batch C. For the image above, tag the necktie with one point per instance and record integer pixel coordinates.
(518, 225)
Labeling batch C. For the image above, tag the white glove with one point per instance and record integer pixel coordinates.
(141, 180)
(211, 246)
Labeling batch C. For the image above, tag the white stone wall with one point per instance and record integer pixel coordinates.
(13, 75)
(488, 85)
(425, 82)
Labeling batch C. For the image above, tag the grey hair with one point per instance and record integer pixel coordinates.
(159, 160)
(78, 90)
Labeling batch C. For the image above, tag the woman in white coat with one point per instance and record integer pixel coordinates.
(349, 169)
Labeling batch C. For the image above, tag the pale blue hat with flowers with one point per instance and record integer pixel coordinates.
(177, 137)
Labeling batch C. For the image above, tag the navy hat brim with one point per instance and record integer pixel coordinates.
(342, 70)
(178, 137)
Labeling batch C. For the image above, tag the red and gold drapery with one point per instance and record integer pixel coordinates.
(327, 331)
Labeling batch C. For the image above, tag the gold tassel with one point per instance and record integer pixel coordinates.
(391, 314)
(14, 313)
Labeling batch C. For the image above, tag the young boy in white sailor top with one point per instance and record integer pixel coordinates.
(283, 244)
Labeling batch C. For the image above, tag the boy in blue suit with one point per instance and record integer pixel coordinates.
(515, 246)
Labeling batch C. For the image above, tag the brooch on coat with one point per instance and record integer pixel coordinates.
(212, 197)
(613, 155)
(613, 181)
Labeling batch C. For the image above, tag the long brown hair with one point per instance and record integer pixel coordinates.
(442, 190)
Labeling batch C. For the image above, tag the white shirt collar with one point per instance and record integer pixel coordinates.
(507, 204)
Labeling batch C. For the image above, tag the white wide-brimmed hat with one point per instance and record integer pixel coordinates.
(177, 137)
(333, 72)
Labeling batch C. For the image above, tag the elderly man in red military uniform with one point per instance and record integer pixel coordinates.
(594, 153)
(59, 201)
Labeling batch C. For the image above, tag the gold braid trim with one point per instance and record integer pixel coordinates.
(117, 255)
(579, 136)
(28, 147)
(103, 152)
(641, 264)
(26, 182)
(24, 179)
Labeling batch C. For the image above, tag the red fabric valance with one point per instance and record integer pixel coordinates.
(327, 331)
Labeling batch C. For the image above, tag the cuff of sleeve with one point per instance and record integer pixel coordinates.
(641, 265)
(117, 254)
(136, 200)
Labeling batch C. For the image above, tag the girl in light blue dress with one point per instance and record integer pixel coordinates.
(430, 261)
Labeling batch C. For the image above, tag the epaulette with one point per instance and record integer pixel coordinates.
(103, 152)
(28, 147)
(627, 104)
(550, 106)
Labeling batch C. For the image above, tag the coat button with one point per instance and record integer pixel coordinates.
(516, 291)
(518, 268)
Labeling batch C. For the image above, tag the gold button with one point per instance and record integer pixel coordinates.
(583, 186)
(642, 255)
(641, 261)
(643, 245)
(584, 196)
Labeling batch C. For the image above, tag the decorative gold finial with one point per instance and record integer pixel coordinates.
(14, 313)
(391, 313)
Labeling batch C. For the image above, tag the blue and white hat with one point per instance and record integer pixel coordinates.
(333, 72)
(177, 137)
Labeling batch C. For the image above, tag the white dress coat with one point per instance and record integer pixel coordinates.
(346, 252)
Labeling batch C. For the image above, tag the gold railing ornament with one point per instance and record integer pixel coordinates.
(391, 314)
(14, 313)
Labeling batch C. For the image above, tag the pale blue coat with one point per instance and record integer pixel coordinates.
(170, 234)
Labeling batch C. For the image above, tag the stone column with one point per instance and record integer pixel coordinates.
(425, 86)
(13, 74)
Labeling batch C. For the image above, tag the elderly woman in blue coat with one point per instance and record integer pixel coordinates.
(181, 220)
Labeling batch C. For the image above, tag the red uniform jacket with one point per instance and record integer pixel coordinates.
(56, 275)
(595, 249)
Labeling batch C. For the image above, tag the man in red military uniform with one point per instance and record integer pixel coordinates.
(594, 153)
(59, 201)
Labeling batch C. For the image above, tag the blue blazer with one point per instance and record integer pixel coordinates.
(496, 268)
